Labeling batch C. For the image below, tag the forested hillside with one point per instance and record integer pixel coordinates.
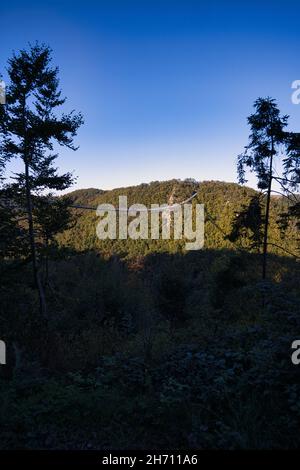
(223, 202)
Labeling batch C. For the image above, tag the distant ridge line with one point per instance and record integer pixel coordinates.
(152, 209)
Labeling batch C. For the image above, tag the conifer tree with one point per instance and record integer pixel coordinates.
(52, 216)
(291, 180)
(30, 127)
(265, 142)
(248, 224)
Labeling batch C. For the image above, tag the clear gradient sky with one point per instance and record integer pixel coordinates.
(165, 86)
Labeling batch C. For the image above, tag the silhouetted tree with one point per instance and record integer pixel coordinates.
(13, 237)
(291, 178)
(267, 135)
(250, 218)
(52, 216)
(291, 162)
(29, 129)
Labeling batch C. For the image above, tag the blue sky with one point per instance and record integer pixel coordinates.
(165, 86)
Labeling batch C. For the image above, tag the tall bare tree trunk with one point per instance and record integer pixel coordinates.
(36, 276)
(265, 246)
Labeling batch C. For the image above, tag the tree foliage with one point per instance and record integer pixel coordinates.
(29, 129)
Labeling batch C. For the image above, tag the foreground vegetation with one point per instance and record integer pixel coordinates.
(182, 351)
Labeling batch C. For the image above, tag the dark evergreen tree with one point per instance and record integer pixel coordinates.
(29, 129)
(265, 142)
(291, 180)
(292, 161)
(52, 216)
(248, 223)
(13, 237)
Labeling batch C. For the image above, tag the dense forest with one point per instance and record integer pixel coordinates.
(223, 203)
(134, 344)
